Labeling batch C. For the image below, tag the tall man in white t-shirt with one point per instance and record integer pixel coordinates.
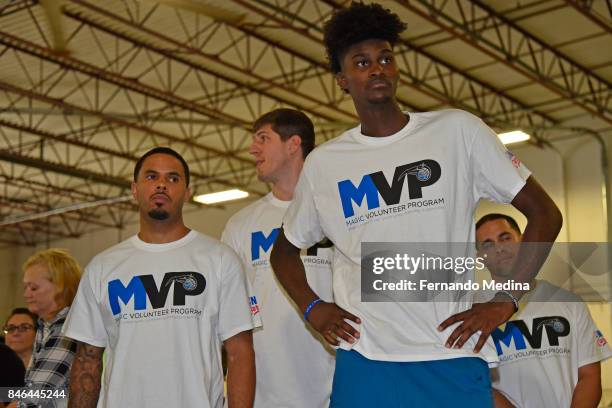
(161, 303)
(294, 365)
(550, 350)
(402, 177)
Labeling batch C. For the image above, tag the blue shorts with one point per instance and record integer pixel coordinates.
(363, 383)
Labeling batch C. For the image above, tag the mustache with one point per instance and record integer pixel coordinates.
(378, 80)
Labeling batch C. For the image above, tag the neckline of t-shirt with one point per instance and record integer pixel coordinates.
(381, 141)
(276, 201)
(140, 244)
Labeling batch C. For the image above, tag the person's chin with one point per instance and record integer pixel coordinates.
(264, 178)
(158, 214)
(379, 98)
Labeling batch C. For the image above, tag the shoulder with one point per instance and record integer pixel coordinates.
(332, 145)
(203, 244)
(245, 214)
(457, 115)
(549, 292)
(460, 120)
(116, 252)
(454, 125)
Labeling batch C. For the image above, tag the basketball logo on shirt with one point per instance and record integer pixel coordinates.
(143, 287)
(517, 332)
(416, 176)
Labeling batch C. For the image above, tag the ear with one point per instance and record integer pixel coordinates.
(187, 195)
(294, 143)
(341, 81)
(134, 190)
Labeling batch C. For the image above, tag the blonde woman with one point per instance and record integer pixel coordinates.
(51, 278)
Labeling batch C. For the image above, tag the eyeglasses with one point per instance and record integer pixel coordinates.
(22, 328)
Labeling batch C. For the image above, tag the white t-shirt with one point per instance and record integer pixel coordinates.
(161, 311)
(294, 367)
(421, 184)
(542, 346)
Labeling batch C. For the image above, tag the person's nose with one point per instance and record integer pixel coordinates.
(254, 149)
(161, 185)
(376, 69)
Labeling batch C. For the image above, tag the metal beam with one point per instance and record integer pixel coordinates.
(506, 42)
(585, 7)
(63, 169)
(83, 67)
(186, 55)
(63, 105)
(436, 78)
(45, 135)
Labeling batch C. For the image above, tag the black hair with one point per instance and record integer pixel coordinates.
(289, 122)
(359, 22)
(24, 311)
(162, 150)
(497, 216)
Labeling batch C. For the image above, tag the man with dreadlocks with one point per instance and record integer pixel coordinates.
(351, 190)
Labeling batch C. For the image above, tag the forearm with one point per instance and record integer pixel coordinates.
(544, 222)
(500, 401)
(289, 270)
(587, 393)
(241, 376)
(85, 377)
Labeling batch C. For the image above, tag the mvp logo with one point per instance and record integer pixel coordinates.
(260, 241)
(418, 175)
(142, 287)
(517, 330)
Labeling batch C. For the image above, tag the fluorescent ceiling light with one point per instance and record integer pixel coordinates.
(513, 137)
(218, 197)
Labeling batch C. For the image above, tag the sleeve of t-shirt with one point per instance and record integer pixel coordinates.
(235, 308)
(84, 321)
(301, 223)
(592, 345)
(498, 174)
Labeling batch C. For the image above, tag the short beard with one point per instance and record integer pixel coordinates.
(159, 215)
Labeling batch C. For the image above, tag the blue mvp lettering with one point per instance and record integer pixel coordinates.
(416, 175)
(260, 241)
(517, 331)
(143, 287)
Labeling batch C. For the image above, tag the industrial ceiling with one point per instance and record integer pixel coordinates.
(87, 86)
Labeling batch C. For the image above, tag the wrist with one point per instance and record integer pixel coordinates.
(506, 296)
(310, 306)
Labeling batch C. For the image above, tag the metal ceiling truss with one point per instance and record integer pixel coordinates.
(482, 27)
(422, 71)
(199, 86)
(587, 9)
